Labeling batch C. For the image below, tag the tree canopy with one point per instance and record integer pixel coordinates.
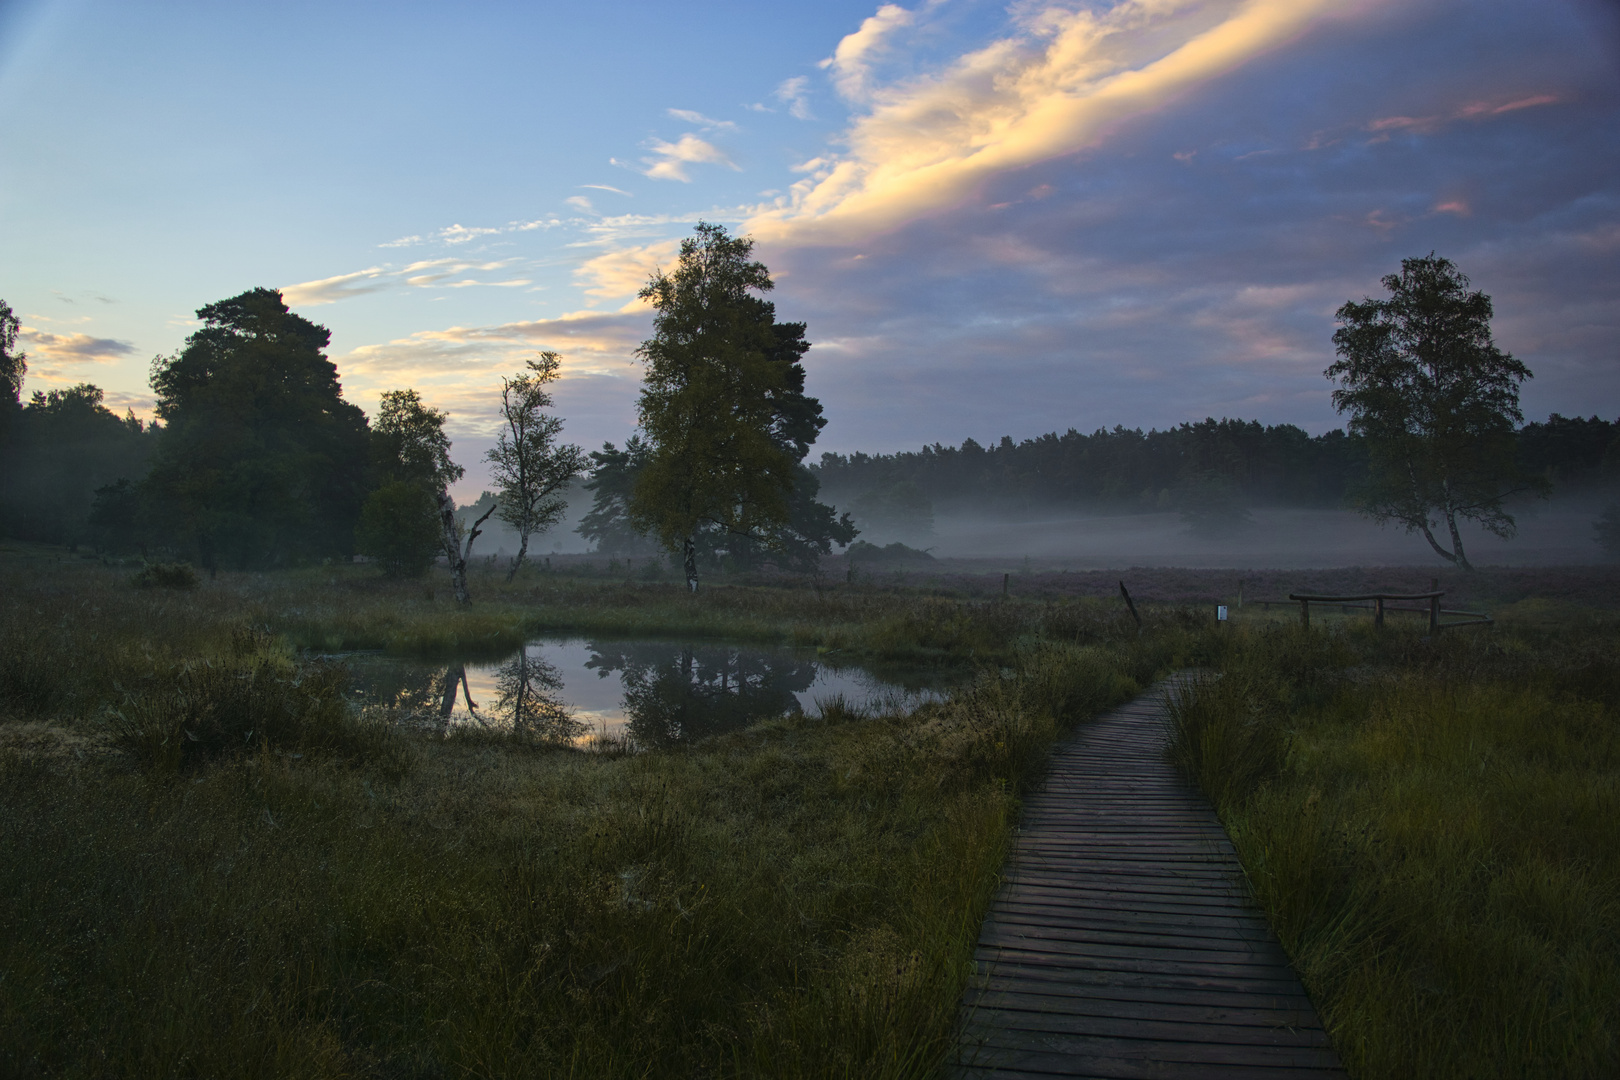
(723, 408)
(1437, 402)
(260, 458)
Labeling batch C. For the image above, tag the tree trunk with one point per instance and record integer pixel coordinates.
(1438, 550)
(457, 552)
(689, 555)
(1456, 540)
(523, 549)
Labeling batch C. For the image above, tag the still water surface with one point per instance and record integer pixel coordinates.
(655, 693)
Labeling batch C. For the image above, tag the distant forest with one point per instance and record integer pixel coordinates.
(1202, 470)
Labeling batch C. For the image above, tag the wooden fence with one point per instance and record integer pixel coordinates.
(1379, 603)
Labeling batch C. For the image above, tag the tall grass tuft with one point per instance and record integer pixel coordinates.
(1433, 829)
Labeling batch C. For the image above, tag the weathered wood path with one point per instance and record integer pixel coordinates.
(1123, 942)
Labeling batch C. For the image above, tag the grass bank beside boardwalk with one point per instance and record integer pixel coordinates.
(213, 868)
(1433, 828)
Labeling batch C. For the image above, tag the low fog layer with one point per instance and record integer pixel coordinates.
(1549, 535)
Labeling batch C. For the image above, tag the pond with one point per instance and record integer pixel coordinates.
(651, 693)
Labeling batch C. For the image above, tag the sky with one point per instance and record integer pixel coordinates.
(996, 219)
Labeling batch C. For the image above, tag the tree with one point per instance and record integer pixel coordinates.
(13, 367)
(533, 471)
(260, 458)
(399, 528)
(723, 406)
(1437, 402)
(613, 475)
(410, 446)
(1606, 530)
(65, 446)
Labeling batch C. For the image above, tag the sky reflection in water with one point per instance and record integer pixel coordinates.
(657, 693)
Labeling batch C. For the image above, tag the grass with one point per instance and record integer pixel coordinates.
(211, 871)
(1433, 829)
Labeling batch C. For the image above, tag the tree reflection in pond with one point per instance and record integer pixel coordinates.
(526, 700)
(678, 693)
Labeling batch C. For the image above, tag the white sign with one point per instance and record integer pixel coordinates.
(1220, 613)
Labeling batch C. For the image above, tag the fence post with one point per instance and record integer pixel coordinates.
(1305, 614)
(1434, 607)
(1378, 612)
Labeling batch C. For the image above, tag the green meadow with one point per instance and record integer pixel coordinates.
(216, 866)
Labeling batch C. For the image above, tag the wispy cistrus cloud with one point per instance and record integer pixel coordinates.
(851, 63)
(606, 187)
(1385, 126)
(795, 94)
(462, 234)
(690, 117)
(669, 160)
(72, 348)
(427, 273)
(1059, 84)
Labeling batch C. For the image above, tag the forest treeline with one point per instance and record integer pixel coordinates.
(1237, 462)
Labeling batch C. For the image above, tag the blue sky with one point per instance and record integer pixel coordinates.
(996, 219)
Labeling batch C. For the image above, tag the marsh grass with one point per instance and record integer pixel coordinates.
(1433, 829)
(245, 881)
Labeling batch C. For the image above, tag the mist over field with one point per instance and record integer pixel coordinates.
(1279, 538)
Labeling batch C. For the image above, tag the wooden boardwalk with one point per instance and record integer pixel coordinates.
(1123, 942)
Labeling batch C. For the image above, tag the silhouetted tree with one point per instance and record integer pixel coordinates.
(532, 469)
(65, 444)
(1437, 402)
(613, 474)
(13, 367)
(411, 447)
(723, 404)
(1606, 530)
(260, 458)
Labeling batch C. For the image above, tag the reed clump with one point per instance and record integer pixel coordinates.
(1433, 829)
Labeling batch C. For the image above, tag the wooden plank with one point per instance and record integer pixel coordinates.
(1163, 1050)
(1122, 942)
(1238, 1013)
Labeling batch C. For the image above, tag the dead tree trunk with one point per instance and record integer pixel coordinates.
(458, 543)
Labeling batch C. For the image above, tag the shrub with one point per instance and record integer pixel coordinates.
(399, 528)
(202, 709)
(177, 575)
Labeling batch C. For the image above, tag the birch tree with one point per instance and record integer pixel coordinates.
(531, 467)
(1438, 403)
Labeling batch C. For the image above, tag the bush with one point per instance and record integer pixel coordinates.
(399, 528)
(166, 576)
(199, 710)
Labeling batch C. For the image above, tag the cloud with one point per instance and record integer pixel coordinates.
(581, 203)
(459, 367)
(1062, 83)
(852, 62)
(607, 187)
(669, 160)
(795, 94)
(74, 348)
(702, 121)
(462, 234)
(426, 273)
(623, 272)
(1474, 110)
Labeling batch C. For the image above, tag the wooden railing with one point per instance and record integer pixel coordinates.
(1378, 603)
